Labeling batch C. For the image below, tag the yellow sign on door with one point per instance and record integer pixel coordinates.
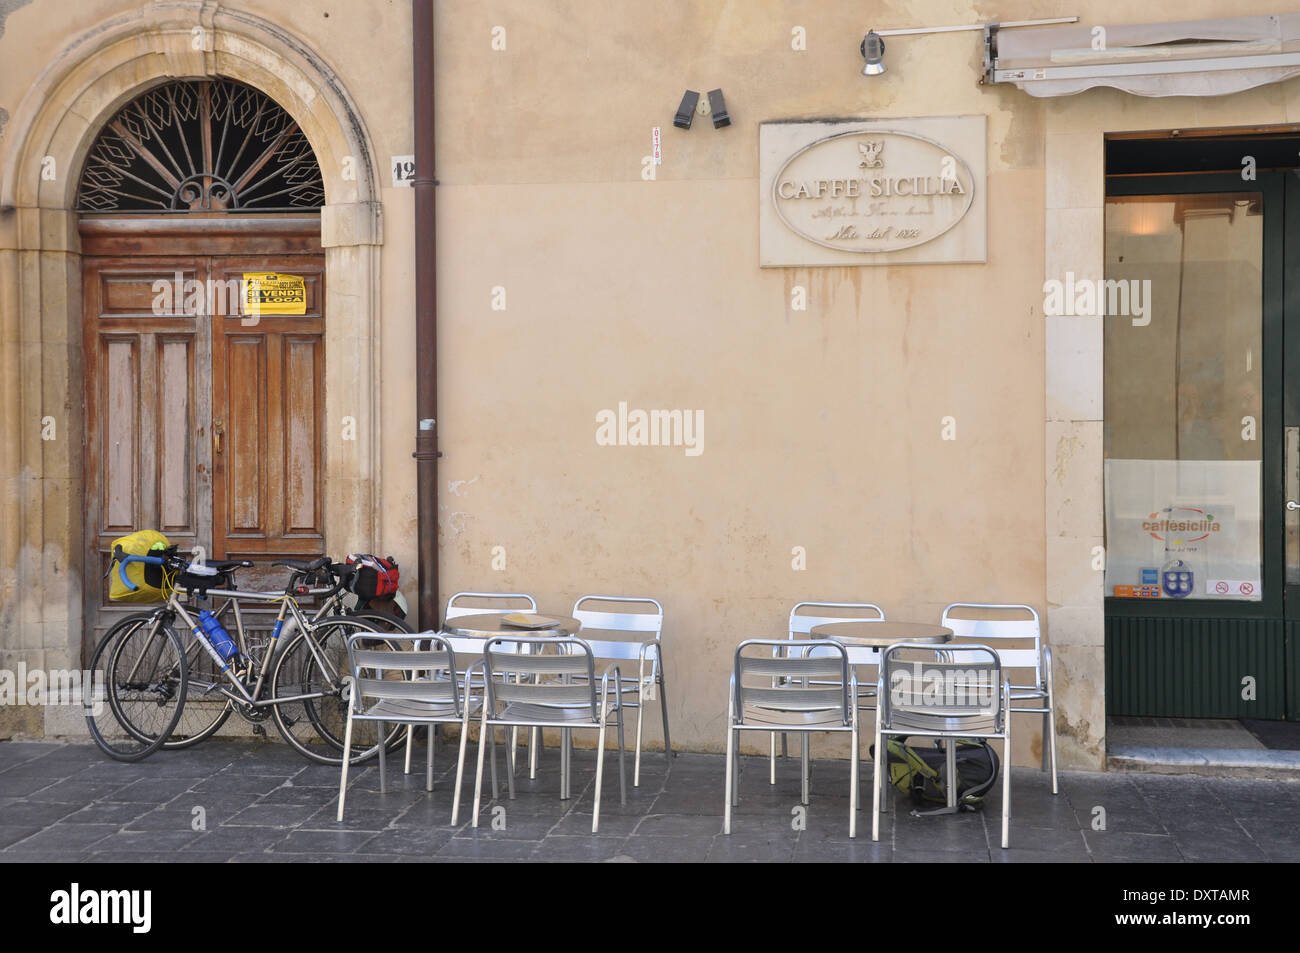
(269, 292)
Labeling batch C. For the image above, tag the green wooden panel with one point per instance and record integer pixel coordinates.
(1193, 668)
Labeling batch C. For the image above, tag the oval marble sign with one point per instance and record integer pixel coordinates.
(872, 191)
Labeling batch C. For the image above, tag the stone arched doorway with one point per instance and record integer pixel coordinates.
(203, 402)
(44, 543)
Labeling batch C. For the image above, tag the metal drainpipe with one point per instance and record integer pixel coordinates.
(426, 318)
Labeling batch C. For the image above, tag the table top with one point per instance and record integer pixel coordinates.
(881, 634)
(488, 625)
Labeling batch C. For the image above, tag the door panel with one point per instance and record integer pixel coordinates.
(157, 380)
(269, 396)
(176, 434)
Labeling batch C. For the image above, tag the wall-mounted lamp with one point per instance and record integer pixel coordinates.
(686, 111)
(873, 50)
(719, 109)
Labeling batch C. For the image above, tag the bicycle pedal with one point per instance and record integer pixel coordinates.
(259, 731)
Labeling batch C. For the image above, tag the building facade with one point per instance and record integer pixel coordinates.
(664, 368)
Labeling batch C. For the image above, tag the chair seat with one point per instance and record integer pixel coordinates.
(526, 712)
(789, 717)
(937, 720)
(401, 709)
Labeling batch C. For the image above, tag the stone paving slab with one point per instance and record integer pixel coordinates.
(232, 802)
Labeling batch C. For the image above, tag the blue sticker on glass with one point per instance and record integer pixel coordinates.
(1176, 579)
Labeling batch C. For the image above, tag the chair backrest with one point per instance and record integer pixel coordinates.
(931, 688)
(805, 615)
(631, 616)
(495, 603)
(372, 656)
(810, 677)
(801, 622)
(1009, 629)
(519, 669)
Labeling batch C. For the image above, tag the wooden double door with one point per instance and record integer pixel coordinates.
(202, 422)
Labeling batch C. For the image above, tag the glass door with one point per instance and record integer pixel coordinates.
(1193, 444)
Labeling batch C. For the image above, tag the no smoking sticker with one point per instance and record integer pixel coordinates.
(1232, 587)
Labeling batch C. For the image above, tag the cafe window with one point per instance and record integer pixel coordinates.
(1183, 401)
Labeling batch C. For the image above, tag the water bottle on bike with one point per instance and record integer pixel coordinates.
(211, 630)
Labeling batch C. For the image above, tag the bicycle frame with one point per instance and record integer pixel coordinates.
(284, 626)
(289, 620)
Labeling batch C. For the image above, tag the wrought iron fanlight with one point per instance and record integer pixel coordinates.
(201, 146)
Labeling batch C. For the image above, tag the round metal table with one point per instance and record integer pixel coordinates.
(881, 634)
(488, 625)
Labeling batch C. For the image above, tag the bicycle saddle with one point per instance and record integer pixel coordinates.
(302, 565)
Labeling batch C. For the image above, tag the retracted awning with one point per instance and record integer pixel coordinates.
(1191, 58)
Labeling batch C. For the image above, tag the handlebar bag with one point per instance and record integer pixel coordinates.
(374, 578)
(149, 579)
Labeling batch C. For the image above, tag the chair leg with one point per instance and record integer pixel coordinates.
(600, 771)
(727, 795)
(1050, 718)
(663, 711)
(383, 761)
(853, 787)
(878, 771)
(1006, 787)
(484, 732)
(950, 760)
(492, 754)
(805, 766)
(343, 777)
(566, 755)
(428, 781)
(534, 751)
(735, 772)
(771, 758)
(511, 757)
(622, 783)
(460, 768)
(410, 734)
(636, 766)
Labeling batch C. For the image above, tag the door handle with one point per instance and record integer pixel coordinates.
(1292, 505)
(218, 431)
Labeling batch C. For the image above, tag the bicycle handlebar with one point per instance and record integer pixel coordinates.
(124, 559)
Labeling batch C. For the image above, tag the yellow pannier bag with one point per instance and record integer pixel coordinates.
(149, 579)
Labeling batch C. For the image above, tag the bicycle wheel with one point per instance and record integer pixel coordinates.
(383, 622)
(315, 725)
(137, 690)
(206, 709)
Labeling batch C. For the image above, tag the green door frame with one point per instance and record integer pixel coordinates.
(1189, 657)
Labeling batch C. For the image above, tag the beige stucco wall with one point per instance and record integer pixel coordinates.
(823, 428)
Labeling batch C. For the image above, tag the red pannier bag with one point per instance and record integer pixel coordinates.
(374, 578)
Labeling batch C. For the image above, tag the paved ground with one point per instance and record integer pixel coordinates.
(261, 802)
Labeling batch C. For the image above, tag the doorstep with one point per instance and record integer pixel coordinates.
(1262, 763)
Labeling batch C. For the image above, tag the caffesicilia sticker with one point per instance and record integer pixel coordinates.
(269, 292)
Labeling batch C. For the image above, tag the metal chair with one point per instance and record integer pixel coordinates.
(525, 688)
(1014, 633)
(495, 600)
(496, 605)
(935, 692)
(813, 691)
(426, 694)
(647, 685)
(801, 625)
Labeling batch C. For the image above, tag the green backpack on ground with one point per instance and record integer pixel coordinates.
(921, 773)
